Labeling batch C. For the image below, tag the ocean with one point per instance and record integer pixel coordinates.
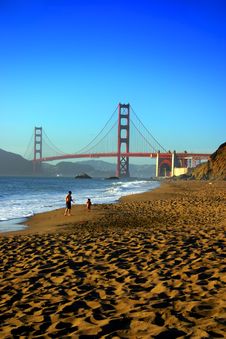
(22, 197)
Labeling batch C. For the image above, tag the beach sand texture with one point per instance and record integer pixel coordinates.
(150, 266)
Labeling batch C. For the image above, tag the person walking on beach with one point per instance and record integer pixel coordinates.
(88, 204)
(69, 199)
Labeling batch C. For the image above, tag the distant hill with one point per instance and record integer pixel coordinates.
(94, 168)
(14, 164)
(213, 169)
(100, 168)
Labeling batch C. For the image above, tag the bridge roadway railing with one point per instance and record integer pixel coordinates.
(200, 156)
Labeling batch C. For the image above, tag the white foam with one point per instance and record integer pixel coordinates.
(29, 196)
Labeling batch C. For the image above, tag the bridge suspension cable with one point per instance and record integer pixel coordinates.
(29, 153)
(51, 146)
(160, 147)
(141, 139)
(144, 139)
(88, 147)
(105, 142)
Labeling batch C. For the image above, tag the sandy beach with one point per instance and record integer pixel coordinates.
(150, 266)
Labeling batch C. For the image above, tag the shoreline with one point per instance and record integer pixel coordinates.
(17, 224)
(28, 226)
(54, 220)
(151, 265)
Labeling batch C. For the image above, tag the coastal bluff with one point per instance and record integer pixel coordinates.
(214, 168)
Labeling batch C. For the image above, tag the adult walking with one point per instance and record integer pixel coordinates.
(68, 199)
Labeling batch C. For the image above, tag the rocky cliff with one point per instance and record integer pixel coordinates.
(215, 168)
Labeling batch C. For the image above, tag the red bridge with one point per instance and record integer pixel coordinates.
(123, 139)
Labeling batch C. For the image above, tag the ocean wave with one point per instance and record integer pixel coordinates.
(27, 200)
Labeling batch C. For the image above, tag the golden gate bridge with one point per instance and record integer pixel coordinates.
(124, 136)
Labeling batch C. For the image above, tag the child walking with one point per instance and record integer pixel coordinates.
(88, 204)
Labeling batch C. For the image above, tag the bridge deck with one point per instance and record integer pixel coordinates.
(197, 156)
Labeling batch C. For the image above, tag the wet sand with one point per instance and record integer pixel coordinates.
(150, 266)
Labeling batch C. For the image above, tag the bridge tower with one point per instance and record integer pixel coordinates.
(123, 140)
(37, 148)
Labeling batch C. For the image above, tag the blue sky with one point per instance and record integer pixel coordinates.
(65, 65)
